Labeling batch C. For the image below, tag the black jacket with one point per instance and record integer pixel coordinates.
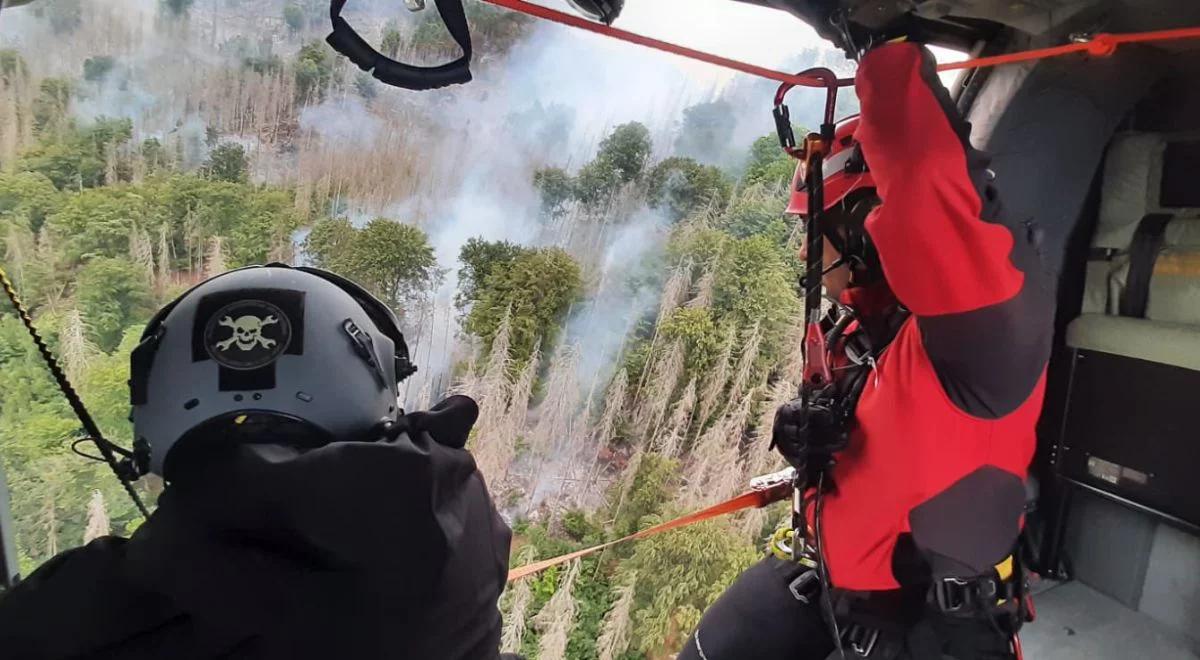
(388, 549)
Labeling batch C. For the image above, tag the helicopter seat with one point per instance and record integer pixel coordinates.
(1131, 406)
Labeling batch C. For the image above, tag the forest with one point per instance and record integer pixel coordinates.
(618, 294)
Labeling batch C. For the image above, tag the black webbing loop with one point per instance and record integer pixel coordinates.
(124, 473)
(345, 40)
(1143, 252)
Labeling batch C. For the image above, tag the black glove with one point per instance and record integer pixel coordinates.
(449, 422)
(807, 434)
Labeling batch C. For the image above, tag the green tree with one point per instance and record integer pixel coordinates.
(682, 186)
(656, 479)
(626, 150)
(479, 259)
(154, 155)
(493, 30)
(706, 131)
(263, 231)
(767, 163)
(67, 165)
(293, 18)
(97, 222)
(112, 294)
(597, 182)
(620, 160)
(755, 283)
(77, 159)
(556, 187)
(365, 85)
(50, 108)
(679, 575)
(27, 198)
(50, 486)
(65, 16)
(330, 243)
(227, 162)
(314, 71)
(98, 67)
(392, 41)
(393, 260)
(537, 288)
(700, 335)
(396, 262)
(177, 7)
(757, 212)
(12, 66)
(263, 64)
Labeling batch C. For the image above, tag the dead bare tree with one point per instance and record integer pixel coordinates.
(557, 618)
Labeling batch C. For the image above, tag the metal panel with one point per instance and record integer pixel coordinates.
(1172, 590)
(1131, 431)
(1109, 546)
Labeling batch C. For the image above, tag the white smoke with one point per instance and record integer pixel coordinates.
(342, 120)
(547, 102)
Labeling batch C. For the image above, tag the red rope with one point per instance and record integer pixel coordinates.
(747, 500)
(581, 23)
(1101, 45)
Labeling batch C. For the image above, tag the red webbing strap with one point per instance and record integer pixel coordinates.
(575, 21)
(755, 499)
(1101, 45)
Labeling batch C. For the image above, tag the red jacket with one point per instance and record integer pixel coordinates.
(933, 479)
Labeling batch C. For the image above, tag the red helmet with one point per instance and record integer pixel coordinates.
(845, 171)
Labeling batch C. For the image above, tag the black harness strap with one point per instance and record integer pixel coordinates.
(124, 469)
(345, 40)
(1143, 253)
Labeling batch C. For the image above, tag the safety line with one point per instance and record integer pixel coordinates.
(753, 499)
(582, 23)
(1100, 45)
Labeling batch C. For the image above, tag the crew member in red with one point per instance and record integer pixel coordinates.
(926, 502)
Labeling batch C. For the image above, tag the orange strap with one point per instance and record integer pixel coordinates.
(582, 23)
(1101, 45)
(752, 499)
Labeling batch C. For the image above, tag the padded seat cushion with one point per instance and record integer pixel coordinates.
(1176, 344)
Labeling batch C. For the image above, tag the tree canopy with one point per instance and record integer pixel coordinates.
(681, 186)
(392, 260)
(534, 290)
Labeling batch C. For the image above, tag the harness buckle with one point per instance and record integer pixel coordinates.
(861, 640)
(806, 587)
(952, 594)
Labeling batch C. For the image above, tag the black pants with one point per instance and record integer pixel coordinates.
(758, 617)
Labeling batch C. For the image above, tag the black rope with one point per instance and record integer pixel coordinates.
(823, 567)
(85, 418)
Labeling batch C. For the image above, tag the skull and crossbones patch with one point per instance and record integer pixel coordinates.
(247, 334)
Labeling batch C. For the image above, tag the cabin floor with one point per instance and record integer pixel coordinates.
(1076, 622)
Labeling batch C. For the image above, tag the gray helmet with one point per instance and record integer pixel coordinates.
(264, 353)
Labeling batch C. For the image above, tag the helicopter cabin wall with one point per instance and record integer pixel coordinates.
(1049, 126)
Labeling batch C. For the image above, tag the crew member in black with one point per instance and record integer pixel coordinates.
(304, 514)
